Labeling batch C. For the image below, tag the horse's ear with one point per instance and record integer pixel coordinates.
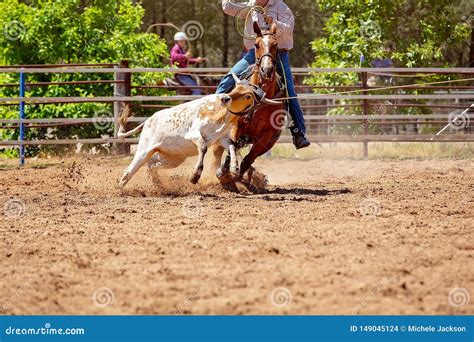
(274, 28)
(256, 29)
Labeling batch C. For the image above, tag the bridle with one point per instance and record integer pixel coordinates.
(245, 112)
(259, 98)
(258, 95)
(268, 54)
(258, 60)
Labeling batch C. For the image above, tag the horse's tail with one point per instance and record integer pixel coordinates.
(123, 121)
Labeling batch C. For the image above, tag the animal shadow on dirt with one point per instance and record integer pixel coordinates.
(296, 194)
(309, 192)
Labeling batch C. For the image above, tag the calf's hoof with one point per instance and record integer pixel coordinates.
(121, 184)
(235, 170)
(194, 178)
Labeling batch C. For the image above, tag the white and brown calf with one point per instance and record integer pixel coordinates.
(174, 134)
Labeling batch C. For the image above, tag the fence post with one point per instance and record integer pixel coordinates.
(22, 117)
(366, 109)
(122, 87)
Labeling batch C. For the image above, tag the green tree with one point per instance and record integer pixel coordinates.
(74, 31)
(219, 39)
(420, 33)
(412, 33)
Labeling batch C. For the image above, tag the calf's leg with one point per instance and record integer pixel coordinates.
(234, 164)
(140, 158)
(217, 151)
(202, 149)
(162, 160)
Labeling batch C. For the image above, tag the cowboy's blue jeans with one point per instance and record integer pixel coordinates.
(228, 83)
(189, 81)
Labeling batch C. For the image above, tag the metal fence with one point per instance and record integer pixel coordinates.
(366, 116)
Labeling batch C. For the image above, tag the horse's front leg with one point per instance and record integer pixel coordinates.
(258, 148)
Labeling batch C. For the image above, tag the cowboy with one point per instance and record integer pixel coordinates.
(280, 14)
(182, 59)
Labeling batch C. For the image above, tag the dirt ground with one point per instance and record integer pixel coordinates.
(328, 237)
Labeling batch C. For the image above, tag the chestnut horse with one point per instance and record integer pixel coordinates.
(263, 127)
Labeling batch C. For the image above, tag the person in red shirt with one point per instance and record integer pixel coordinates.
(182, 59)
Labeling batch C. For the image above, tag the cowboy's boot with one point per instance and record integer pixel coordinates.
(299, 139)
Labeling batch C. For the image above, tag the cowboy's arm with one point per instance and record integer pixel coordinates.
(236, 10)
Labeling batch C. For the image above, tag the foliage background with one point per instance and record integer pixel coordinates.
(73, 31)
(328, 33)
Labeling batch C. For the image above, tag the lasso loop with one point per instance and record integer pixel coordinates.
(240, 15)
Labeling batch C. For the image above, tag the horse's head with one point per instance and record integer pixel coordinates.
(266, 50)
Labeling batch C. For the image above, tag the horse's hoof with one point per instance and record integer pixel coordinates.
(237, 177)
(221, 173)
(235, 170)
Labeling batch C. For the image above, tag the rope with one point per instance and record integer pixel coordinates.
(250, 9)
(382, 88)
(286, 82)
(456, 117)
(400, 75)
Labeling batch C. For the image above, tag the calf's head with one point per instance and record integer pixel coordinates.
(240, 100)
